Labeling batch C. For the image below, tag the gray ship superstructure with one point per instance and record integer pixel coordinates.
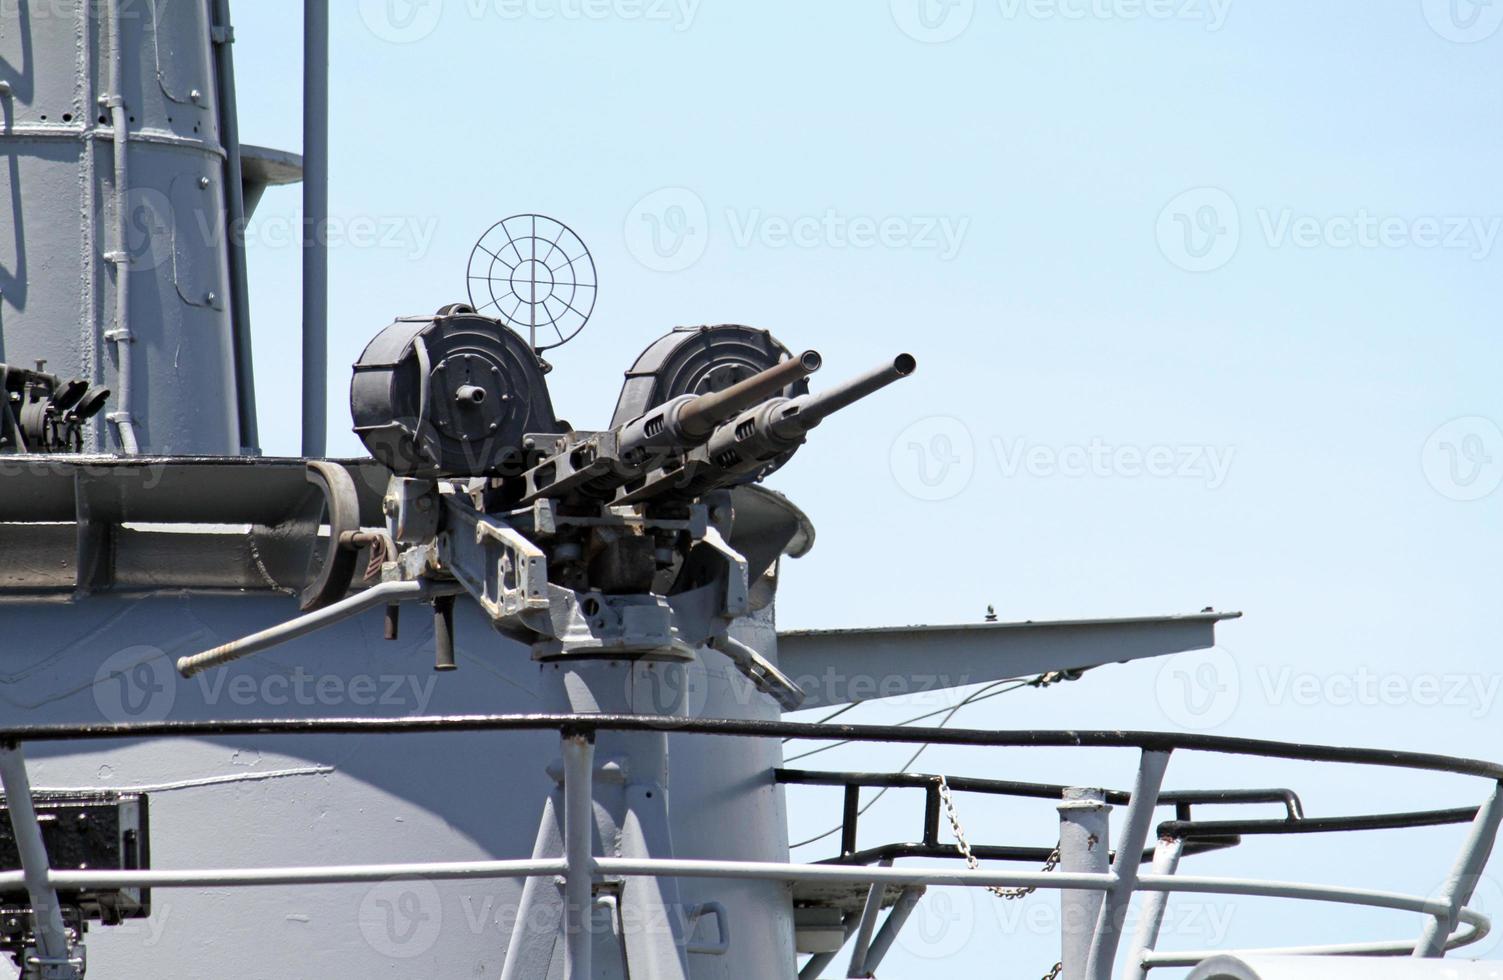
(504, 699)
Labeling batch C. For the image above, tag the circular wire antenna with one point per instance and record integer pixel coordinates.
(534, 274)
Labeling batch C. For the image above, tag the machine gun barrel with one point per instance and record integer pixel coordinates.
(700, 416)
(807, 411)
(744, 447)
(601, 463)
(689, 420)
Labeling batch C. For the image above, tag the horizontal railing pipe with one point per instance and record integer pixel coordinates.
(747, 728)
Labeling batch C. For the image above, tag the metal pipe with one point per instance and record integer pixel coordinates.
(699, 416)
(1463, 878)
(1165, 862)
(814, 409)
(378, 595)
(327, 875)
(868, 926)
(1395, 947)
(120, 335)
(1084, 847)
(92, 325)
(234, 201)
(743, 870)
(579, 824)
(315, 226)
(893, 925)
(1135, 826)
(52, 935)
(773, 871)
(443, 633)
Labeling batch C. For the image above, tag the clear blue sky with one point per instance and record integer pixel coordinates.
(1204, 297)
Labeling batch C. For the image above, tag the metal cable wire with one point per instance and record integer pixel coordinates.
(979, 695)
(949, 713)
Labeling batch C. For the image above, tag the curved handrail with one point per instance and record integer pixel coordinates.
(590, 723)
(1451, 924)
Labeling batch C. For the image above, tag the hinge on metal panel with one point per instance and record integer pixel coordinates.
(222, 35)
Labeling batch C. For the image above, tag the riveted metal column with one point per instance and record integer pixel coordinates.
(1084, 847)
(315, 225)
(1463, 878)
(1165, 862)
(1135, 827)
(52, 935)
(579, 825)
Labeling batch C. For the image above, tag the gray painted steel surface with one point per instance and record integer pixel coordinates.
(62, 259)
(843, 665)
(362, 799)
(118, 267)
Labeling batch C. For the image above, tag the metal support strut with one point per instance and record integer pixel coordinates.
(579, 822)
(868, 927)
(1165, 862)
(1464, 877)
(1136, 824)
(55, 957)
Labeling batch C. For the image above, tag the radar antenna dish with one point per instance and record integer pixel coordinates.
(534, 274)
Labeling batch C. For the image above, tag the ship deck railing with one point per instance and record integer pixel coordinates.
(1447, 921)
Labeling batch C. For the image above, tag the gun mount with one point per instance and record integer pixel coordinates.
(609, 543)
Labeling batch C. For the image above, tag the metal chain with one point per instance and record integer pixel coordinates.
(964, 846)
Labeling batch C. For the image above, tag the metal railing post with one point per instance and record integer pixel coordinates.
(1463, 878)
(579, 864)
(1084, 847)
(51, 933)
(1165, 862)
(1135, 827)
(849, 819)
